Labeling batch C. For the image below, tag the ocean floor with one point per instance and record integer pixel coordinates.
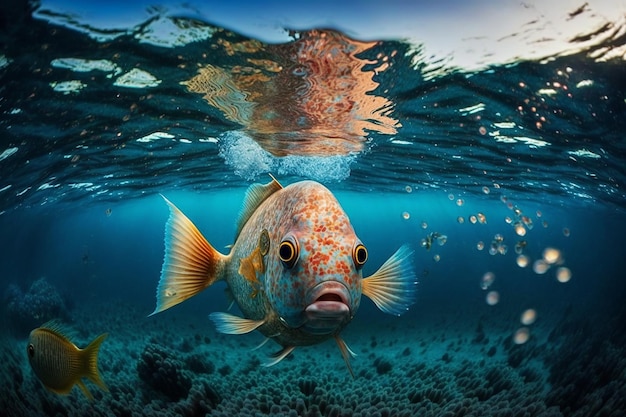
(443, 363)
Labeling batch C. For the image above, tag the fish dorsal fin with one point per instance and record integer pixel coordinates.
(256, 194)
(60, 330)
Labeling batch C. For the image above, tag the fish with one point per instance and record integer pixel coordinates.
(60, 364)
(295, 269)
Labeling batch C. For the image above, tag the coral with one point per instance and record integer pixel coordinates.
(307, 387)
(160, 369)
(382, 366)
(41, 303)
(198, 364)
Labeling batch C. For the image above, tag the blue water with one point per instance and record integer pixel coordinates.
(412, 138)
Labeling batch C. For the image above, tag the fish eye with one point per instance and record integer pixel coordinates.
(288, 252)
(31, 350)
(359, 255)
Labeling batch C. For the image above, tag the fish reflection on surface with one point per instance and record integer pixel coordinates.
(314, 97)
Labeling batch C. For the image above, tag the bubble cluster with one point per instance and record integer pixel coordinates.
(552, 257)
(519, 247)
(521, 223)
(433, 237)
(498, 246)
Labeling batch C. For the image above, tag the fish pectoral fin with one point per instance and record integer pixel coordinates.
(90, 358)
(393, 287)
(230, 324)
(191, 264)
(260, 345)
(346, 352)
(278, 356)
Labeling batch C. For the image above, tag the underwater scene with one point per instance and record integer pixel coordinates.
(313, 209)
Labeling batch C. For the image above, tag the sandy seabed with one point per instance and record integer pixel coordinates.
(442, 364)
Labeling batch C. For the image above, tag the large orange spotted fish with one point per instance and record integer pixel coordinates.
(295, 269)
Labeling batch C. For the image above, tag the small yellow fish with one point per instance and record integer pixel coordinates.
(59, 363)
(295, 269)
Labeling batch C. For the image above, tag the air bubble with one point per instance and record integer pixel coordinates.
(551, 255)
(493, 297)
(487, 279)
(523, 261)
(540, 266)
(563, 274)
(521, 336)
(528, 317)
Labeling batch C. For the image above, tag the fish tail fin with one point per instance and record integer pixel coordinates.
(90, 355)
(190, 265)
(393, 287)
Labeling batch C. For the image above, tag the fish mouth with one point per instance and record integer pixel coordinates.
(328, 309)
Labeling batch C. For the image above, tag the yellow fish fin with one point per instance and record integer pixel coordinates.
(85, 390)
(279, 356)
(191, 264)
(230, 324)
(393, 287)
(256, 194)
(346, 352)
(90, 359)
